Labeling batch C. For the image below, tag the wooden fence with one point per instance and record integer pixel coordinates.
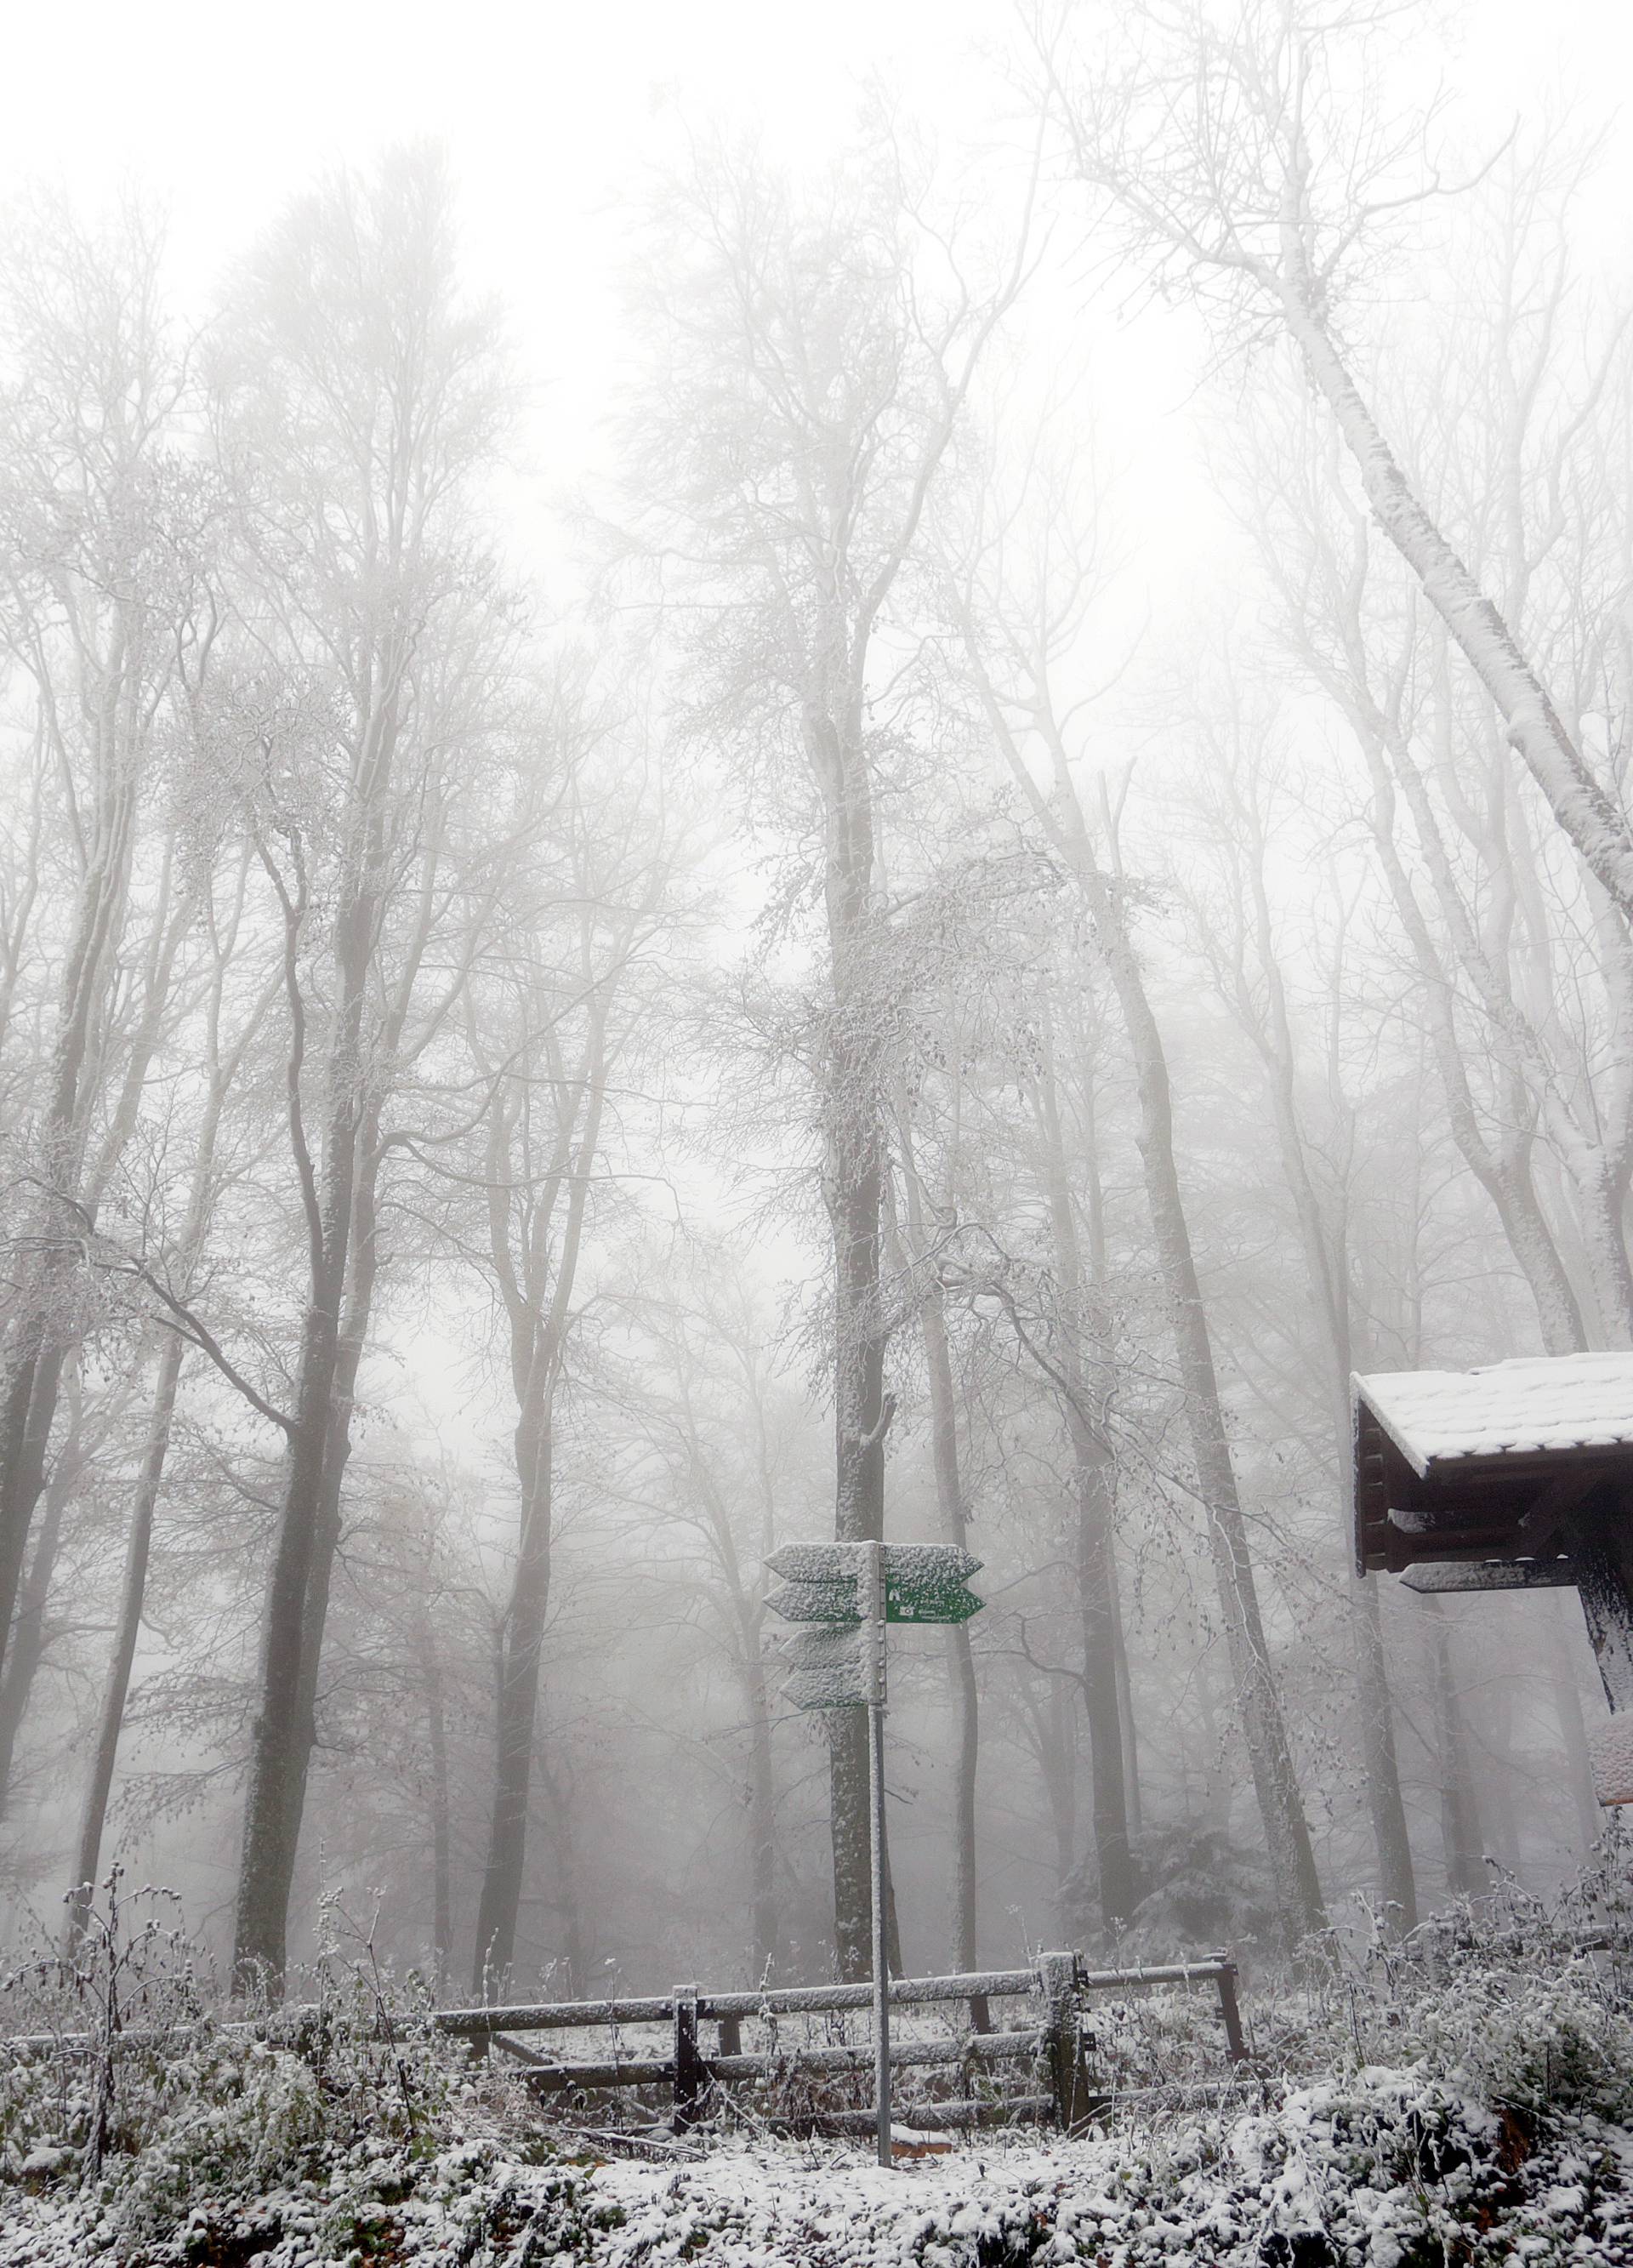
(1051, 2042)
(1055, 1983)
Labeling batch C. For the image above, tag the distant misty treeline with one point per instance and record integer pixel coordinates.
(868, 1022)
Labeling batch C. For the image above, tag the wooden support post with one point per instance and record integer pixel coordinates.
(1602, 1584)
(1235, 2047)
(979, 2012)
(1601, 1549)
(1057, 1982)
(689, 2064)
(731, 2035)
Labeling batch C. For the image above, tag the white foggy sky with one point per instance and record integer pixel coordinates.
(550, 112)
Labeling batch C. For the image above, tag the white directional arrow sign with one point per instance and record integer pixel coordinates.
(828, 1667)
(814, 1602)
(825, 1646)
(816, 1562)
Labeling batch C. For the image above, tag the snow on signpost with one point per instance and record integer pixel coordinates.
(843, 1595)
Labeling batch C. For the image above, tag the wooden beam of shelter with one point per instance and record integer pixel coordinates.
(1517, 1476)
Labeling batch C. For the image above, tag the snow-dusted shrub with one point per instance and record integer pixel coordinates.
(1535, 2042)
(122, 2083)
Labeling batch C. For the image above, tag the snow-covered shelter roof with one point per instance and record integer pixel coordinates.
(1454, 1464)
(1539, 1403)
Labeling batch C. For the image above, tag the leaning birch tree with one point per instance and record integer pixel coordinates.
(1250, 155)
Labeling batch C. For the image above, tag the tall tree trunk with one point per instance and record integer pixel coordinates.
(279, 1743)
(1125, 1710)
(1496, 1717)
(1459, 1817)
(1281, 1807)
(327, 1516)
(1567, 1699)
(766, 1916)
(149, 1478)
(1397, 1877)
(1057, 1751)
(1097, 1614)
(284, 1733)
(539, 1304)
(960, 1653)
(30, 1632)
(35, 1351)
(859, 1422)
(519, 1687)
(26, 1417)
(1093, 1547)
(1292, 1858)
(854, 1186)
(1327, 1279)
(126, 1631)
(440, 1805)
(579, 1944)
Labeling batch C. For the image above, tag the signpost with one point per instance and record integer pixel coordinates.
(822, 1582)
(844, 1594)
(1492, 1575)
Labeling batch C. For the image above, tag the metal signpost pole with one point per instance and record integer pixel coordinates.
(843, 1595)
(874, 1580)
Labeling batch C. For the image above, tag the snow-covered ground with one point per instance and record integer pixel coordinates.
(1383, 2170)
(1460, 2100)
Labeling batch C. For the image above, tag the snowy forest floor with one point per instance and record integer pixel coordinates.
(1387, 2168)
(1464, 2097)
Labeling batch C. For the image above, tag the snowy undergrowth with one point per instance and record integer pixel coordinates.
(1387, 2168)
(1464, 2098)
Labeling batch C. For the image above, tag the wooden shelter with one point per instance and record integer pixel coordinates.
(1518, 1476)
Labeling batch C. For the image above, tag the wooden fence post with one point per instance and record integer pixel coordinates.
(689, 2064)
(731, 2035)
(1057, 1982)
(1234, 2046)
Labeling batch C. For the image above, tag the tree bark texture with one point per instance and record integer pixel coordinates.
(960, 1654)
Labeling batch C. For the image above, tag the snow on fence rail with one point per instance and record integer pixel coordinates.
(1058, 1981)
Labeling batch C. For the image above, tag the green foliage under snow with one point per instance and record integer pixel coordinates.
(1467, 2097)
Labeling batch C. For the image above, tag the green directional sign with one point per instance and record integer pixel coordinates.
(924, 1583)
(913, 1600)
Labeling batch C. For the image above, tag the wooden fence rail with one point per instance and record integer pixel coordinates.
(1056, 1983)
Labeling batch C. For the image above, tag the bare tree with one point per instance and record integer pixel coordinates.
(1014, 635)
(1253, 151)
(372, 397)
(548, 1027)
(817, 355)
(1237, 791)
(106, 539)
(227, 1038)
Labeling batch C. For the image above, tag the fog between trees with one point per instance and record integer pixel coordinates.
(854, 1015)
